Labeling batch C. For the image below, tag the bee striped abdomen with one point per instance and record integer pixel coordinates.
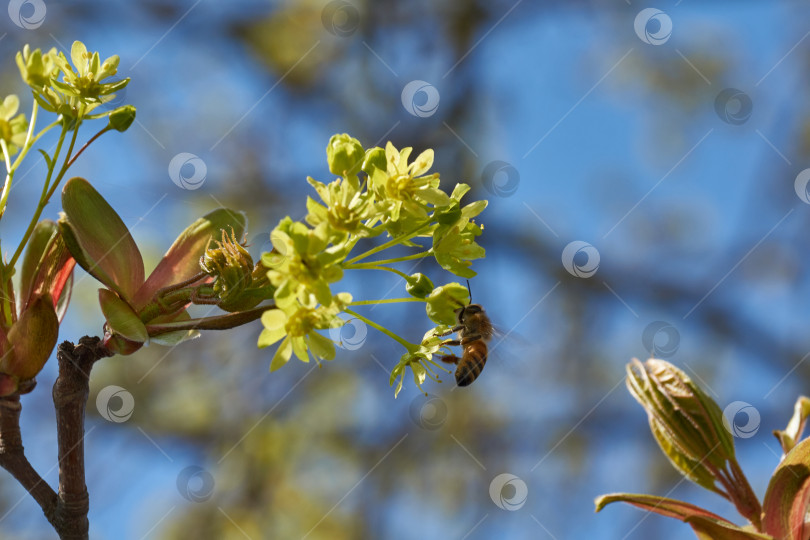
(472, 363)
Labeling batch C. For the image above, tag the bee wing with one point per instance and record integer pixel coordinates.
(508, 337)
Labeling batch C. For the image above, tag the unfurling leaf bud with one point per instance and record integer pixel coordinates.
(686, 423)
(229, 263)
(238, 284)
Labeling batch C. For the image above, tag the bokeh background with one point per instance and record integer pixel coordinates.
(670, 143)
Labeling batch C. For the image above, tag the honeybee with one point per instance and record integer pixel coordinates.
(474, 331)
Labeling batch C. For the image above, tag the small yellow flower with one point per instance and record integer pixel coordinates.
(12, 128)
(403, 188)
(298, 327)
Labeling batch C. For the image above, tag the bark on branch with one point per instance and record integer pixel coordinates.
(12, 456)
(70, 394)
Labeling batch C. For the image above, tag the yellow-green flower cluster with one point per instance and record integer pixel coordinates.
(378, 191)
(81, 88)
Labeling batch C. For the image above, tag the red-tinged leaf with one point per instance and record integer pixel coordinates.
(47, 268)
(788, 495)
(120, 345)
(41, 236)
(82, 258)
(33, 338)
(708, 529)
(121, 318)
(707, 525)
(182, 261)
(106, 246)
(660, 505)
(64, 298)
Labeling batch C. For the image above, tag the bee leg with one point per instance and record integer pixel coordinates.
(450, 359)
(469, 338)
(451, 331)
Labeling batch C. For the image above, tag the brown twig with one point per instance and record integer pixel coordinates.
(70, 392)
(12, 456)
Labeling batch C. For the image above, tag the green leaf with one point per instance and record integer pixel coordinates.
(105, 241)
(120, 316)
(788, 495)
(46, 157)
(707, 526)
(692, 469)
(182, 261)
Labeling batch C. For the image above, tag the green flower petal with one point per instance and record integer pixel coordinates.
(282, 355)
(273, 321)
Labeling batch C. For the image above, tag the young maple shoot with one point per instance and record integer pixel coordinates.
(697, 438)
(72, 89)
(379, 191)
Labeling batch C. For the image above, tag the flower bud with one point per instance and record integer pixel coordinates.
(122, 117)
(374, 159)
(443, 302)
(344, 154)
(419, 285)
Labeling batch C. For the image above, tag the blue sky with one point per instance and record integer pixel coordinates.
(571, 98)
